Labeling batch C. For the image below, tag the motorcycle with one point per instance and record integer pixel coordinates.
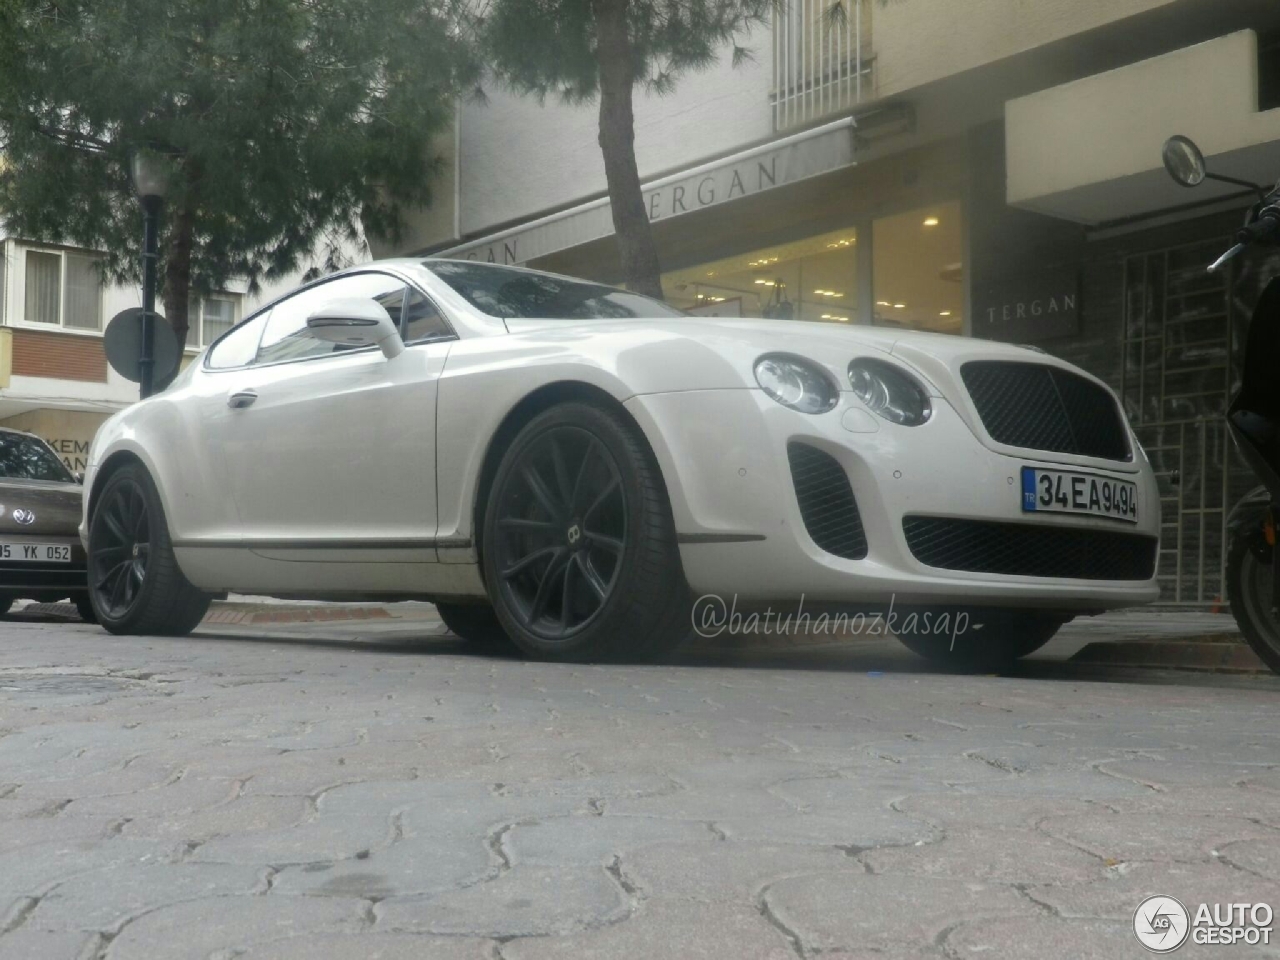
(1253, 419)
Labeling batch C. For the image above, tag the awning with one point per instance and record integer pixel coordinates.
(1089, 151)
(767, 167)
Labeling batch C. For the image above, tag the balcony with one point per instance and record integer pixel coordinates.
(821, 60)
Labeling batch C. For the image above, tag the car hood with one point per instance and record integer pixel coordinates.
(56, 507)
(935, 356)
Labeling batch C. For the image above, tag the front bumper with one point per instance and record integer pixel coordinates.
(723, 455)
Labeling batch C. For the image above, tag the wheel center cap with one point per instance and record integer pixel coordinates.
(573, 534)
(135, 550)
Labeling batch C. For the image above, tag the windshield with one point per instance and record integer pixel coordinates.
(524, 294)
(27, 458)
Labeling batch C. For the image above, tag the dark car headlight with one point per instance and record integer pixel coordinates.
(797, 383)
(890, 392)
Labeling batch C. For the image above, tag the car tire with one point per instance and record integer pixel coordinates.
(475, 623)
(579, 546)
(1249, 587)
(6, 604)
(991, 640)
(84, 607)
(135, 585)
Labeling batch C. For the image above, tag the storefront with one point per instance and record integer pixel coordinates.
(813, 227)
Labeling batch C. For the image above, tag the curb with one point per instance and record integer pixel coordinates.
(247, 613)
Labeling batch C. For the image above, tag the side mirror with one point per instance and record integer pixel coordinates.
(1184, 161)
(356, 322)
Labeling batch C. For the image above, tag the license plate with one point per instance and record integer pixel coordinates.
(1068, 491)
(36, 552)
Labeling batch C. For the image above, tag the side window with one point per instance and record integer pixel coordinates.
(286, 336)
(238, 347)
(422, 321)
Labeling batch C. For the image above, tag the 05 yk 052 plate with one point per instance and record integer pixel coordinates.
(35, 552)
(1071, 491)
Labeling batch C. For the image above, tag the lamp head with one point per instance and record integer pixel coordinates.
(150, 173)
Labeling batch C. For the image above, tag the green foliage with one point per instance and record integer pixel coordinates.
(287, 121)
(548, 47)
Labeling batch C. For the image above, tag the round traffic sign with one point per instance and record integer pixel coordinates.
(122, 341)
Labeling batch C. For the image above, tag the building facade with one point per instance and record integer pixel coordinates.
(986, 169)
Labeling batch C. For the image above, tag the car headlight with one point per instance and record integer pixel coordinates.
(796, 383)
(890, 392)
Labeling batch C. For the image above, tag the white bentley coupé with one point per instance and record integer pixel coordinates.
(569, 465)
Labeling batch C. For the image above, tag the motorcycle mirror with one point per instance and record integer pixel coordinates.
(1184, 161)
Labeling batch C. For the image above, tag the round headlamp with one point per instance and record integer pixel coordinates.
(890, 392)
(796, 383)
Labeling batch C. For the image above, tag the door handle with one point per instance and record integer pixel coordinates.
(241, 399)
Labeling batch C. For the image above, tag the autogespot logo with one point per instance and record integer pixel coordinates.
(1161, 924)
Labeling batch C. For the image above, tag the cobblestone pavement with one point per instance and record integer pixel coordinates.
(375, 790)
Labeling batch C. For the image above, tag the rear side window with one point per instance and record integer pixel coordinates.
(238, 347)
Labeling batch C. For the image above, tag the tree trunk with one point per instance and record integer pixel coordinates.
(640, 268)
(177, 277)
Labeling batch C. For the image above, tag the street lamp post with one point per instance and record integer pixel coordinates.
(150, 182)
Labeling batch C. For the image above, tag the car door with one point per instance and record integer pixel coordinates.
(331, 451)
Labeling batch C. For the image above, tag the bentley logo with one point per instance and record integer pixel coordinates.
(574, 534)
(24, 517)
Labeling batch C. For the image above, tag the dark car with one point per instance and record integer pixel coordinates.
(41, 557)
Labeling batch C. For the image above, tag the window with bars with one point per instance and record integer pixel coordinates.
(62, 289)
(210, 317)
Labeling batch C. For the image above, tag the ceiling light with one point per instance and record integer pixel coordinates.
(931, 221)
(882, 303)
(945, 313)
(898, 306)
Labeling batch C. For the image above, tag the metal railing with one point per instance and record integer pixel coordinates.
(820, 64)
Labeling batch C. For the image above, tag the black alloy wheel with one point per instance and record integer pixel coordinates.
(135, 584)
(562, 529)
(579, 547)
(121, 539)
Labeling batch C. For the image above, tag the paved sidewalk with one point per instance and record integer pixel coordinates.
(372, 788)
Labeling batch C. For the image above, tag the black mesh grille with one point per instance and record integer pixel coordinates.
(1030, 550)
(826, 502)
(1044, 408)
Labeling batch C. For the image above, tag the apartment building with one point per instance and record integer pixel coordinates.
(988, 168)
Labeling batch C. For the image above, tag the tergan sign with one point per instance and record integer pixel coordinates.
(794, 158)
(1029, 308)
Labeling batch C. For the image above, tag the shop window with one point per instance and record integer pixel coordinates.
(62, 289)
(919, 270)
(208, 318)
(810, 279)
